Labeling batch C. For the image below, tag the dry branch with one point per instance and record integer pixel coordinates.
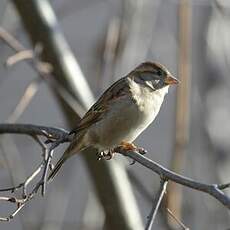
(56, 136)
(177, 220)
(43, 69)
(214, 190)
(156, 204)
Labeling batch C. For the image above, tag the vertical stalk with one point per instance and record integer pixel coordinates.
(174, 198)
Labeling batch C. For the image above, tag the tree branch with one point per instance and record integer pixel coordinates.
(56, 136)
(29, 129)
(214, 190)
(156, 204)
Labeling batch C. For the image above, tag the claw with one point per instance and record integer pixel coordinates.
(107, 155)
(132, 162)
(142, 151)
(99, 156)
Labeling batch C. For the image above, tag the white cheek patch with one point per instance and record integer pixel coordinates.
(150, 85)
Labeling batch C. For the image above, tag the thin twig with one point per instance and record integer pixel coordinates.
(31, 130)
(30, 178)
(177, 220)
(44, 70)
(12, 42)
(156, 204)
(19, 56)
(24, 101)
(19, 205)
(223, 186)
(211, 189)
(56, 136)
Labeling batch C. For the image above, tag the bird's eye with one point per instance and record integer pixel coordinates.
(159, 72)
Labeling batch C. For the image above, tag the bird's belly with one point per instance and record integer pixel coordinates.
(122, 123)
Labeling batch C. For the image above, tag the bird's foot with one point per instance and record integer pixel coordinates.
(125, 146)
(131, 147)
(107, 155)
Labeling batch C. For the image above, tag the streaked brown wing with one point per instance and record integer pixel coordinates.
(94, 114)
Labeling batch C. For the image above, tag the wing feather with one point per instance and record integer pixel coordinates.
(94, 114)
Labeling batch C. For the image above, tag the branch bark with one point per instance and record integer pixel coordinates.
(156, 204)
(60, 136)
(212, 189)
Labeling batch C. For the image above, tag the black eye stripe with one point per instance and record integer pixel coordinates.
(159, 72)
(146, 76)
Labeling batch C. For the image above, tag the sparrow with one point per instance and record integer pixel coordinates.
(123, 111)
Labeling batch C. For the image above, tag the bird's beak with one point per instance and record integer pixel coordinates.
(171, 80)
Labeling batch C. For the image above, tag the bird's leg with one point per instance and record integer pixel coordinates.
(109, 154)
(131, 147)
(128, 146)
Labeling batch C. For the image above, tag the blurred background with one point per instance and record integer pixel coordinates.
(90, 44)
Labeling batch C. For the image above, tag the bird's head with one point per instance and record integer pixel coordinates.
(153, 75)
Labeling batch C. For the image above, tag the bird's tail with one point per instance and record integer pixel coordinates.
(76, 146)
(58, 166)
